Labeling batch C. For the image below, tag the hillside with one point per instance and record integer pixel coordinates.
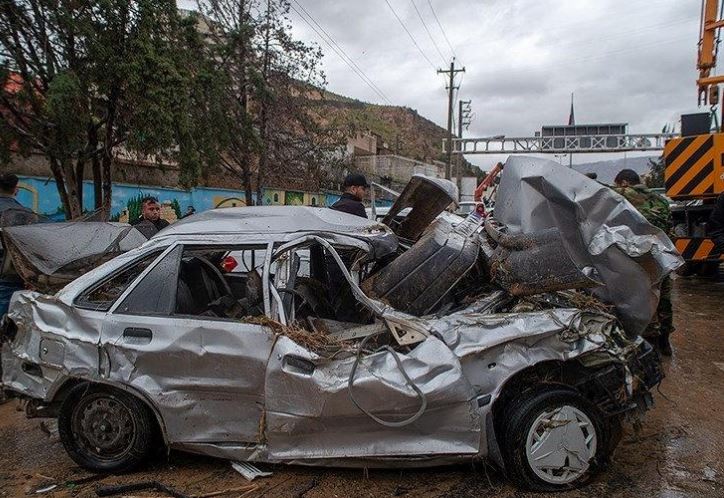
(402, 129)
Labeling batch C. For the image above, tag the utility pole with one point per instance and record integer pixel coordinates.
(464, 119)
(450, 94)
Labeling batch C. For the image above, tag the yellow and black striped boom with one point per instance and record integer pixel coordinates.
(694, 166)
(697, 249)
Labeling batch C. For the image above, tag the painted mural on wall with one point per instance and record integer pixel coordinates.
(294, 198)
(41, 195)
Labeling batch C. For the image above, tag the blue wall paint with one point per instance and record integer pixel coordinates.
(41, 195)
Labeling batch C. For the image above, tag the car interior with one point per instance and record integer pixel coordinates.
(227, 283)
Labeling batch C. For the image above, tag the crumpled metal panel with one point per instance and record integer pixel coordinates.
(257, 220)
(45, 326)
(309, 414)
(205, 377)
(71, 247)
(599, 227)
(427, 197)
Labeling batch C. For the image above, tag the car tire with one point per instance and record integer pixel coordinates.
(545, 431)
(105, 429)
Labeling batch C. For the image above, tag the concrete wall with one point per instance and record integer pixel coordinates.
(41, 195)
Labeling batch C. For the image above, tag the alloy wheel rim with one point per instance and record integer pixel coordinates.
(561, 444)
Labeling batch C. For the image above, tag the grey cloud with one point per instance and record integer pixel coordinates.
(632, 61)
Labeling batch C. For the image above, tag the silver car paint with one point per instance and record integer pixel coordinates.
(298, 416)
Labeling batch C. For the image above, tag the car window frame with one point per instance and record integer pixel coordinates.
(147, 275)
(80, 303)
(129, 289)
(226, 246)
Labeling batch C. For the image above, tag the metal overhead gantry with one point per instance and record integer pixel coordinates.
(577, 144)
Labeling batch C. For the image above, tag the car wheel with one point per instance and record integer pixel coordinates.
(105, 429)
(554, 439)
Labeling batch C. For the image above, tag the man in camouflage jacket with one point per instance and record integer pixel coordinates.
(657, 212)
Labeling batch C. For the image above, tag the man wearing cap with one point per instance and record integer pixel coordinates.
(355, 190)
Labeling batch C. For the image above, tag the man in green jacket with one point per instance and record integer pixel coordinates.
(657, 212)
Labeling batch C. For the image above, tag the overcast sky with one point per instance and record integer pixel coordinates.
(627, 61)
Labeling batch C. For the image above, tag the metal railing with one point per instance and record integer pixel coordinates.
(559, 144)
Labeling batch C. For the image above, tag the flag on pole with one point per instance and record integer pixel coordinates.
(571, 116)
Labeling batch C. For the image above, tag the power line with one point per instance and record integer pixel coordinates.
(410, 35)
(338, 50)
(441, 28)
(424, 24)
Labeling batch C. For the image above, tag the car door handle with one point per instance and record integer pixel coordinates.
(298, 365)
(138, 333)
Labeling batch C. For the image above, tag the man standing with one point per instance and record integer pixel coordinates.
(355, 191)
(657, 212)
(8, 283)
(150, 221)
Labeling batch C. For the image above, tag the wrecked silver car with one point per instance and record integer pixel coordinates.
(307, 336)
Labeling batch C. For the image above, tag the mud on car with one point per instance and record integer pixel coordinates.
(307, 336)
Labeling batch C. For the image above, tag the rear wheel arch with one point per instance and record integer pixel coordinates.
(67, 386)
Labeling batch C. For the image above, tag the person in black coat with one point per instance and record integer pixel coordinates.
(355, 191)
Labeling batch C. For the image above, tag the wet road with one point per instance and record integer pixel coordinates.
(676, 453)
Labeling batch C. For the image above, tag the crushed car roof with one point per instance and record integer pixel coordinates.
(267, 219)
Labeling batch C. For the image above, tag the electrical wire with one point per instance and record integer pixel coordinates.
(424, 25)
(408, 380)
(410, 35)
(441, 29)
(338, 50)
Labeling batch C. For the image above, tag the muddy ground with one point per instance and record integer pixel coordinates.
(677, 452)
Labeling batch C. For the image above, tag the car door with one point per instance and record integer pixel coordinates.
(205, 375)
(400, 402)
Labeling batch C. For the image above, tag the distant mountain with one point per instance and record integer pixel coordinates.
(607, 170)
(402, 129)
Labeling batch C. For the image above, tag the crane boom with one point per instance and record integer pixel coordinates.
(708, 44)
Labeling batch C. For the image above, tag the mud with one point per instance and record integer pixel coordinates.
(676, 453)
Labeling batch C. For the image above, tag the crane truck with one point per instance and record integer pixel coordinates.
(694, 162)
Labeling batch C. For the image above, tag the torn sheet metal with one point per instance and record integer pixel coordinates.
(598, 226)
(249, 471)
(309, 413)
(427, 197)
(49, 255)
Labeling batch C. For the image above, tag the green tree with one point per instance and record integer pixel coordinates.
(84, 80)
(268, 106)
(296, 139)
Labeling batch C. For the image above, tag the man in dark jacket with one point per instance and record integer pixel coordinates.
(355, 191)
(8, 205)
(150, 221)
